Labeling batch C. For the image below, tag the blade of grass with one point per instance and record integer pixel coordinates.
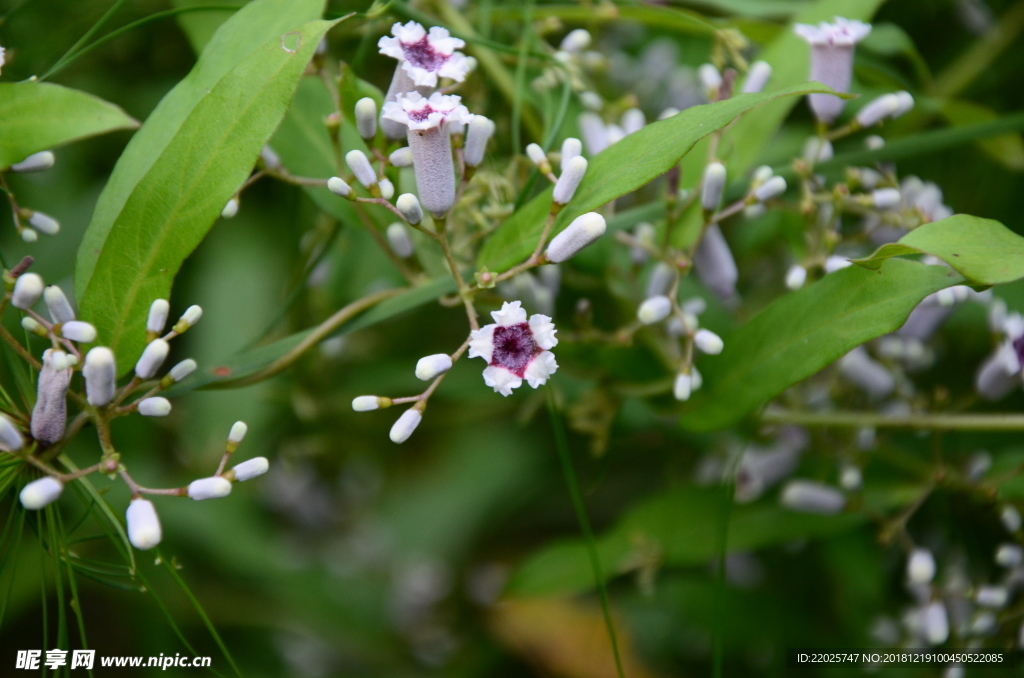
(581, 515)
(724, 514)
(86, 36)
(12, 549)
(76, 600)
(58, 580)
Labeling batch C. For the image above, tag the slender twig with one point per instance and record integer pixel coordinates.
(937, 421)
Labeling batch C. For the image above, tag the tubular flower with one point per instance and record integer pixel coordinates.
(515, 349)
(427, 123)
(832, 48)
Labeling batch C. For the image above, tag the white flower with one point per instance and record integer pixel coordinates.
(39, 493)
(250, 469)
(406, 425)
(416, 111)
(213, 487)
(143, 524)
(832, 48)
(425, 56)
(515, 349)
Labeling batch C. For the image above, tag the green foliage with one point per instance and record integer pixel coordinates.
(38, 116)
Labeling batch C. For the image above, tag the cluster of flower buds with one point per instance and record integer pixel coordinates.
(40, 222)
(573, 166)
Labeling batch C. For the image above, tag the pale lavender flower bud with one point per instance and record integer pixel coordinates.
(570, 180)
(594, 131)
(37, 162)
(44, 223)
(480, 131)
(710, 78)
(155, 407)
(398, 238)
(714, 264)
(713, 186)
(920, 567)
(591, 100)
(817, 149)
(992, 596)
(27, 290)
(271, 160)
(1009, 555)
(757, 77)
(152, 358)
(409, 205)
(571, 148)
(868, 374)
(878, 110)
(39, 493)
(213, 487)
(369, 403)
(366, 117)
(999, 374)
(77, 330)
(708, 342)
(143, 524)
(576, 41)
(100, 372)
(761, 175)
(158, 312)
(406, 424)
(682, 387)
(645, 234)
(886, 198)
(633, 120)
(835, 263)
(182, 370)
(58, 305)
(668, 113)
(654, 310)
(433, 365)
(583, 231)
(850, 478)
(832, 47)
(1011, 518)
(10, 437)
(537, 155)
(387, 189)
(772, 188)
(251, 468)
(237, 433)
(338, 186)
(874, 142)
(935, 623)
(810, 497)
(615, 134)
(796, 277)
(360, 166)
(34, 327)
(660, 280)
(28, 235)
(906, 103)
(50, 412)
(189, 318)
(230, 209)
(401, 157)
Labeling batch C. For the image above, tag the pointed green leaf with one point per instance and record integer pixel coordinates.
(38, 116)
(622, 168)
(802, 332)
(183, 192)
(982, 250)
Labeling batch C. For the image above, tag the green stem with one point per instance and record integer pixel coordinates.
(85, 38)
(581, 515)
(935, 422)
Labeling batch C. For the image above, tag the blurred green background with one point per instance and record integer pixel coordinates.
(357, 557)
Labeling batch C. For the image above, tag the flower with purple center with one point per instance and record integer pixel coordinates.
(515, 348)
(425, 56)
(832, 47)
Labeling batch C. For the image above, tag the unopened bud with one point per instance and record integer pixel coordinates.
(906, 103)
(669, 112)
(189, 318)
(230, 209)
(708, 342)
(757, 77)
(368, 403)
(992, 596)
(39, 493)
(360, 166)
(409, 205)
(1011, 518)
(77, 330)
(213, 487)
(817, 150)
(886, 198)
(878, 110)
(337, 186)
(633, 120)
(644, 234)
(100, 372)
(713, 186)
(401, 157)
(398, 238)
(772, 188)
(37, 162)
(835, 263)
(576, 41)
(480, 131)
(10, 437)
(251, 468)
(570, 180)
(44, 223)
(682, 387)
(178, 372)
(1009, 555)
(387, 189)
(406, 424)
(158, 312)
(27, 290)
(143, 524)
(874, 142)
(155, 407)
(31, 325)
(571, 148)
(710, 78)
(920, 567)
(654, 309)
(152, 358)
(271, 160)
(796, 276)
(58, 305)
(237, 433)
(431, 366)
(811, 497)
(583, 230)
(366, 117)
(661, 279)
(28, 235)
(539, 158)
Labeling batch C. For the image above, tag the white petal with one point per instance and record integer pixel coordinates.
(481, 343)
(543, 331)
(501, 380)
(540, 368)
(511, 313)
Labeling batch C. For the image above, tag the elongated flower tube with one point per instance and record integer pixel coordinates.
(144, 530)
(433, 365)
(27, 290)
(832, 47)
(570, 180)
(427, 121)
(713, 186)
(155, 407)
(366, 117)
(58, 305)
(213, 487)
(810, 497)
(37, 162)
(422, 58)
(100, 372)
(1010, 518)
(682, 387)
(39, 493)
(757, 77)
(251, 468)
(714, 264)
(50, 413)
(405, 425)
(711, 79)
(189, 318)
(480, 131)
(886, 198)
(583, 230)
(10, 437)
(999, 373)
(237, 433)
(515, 348)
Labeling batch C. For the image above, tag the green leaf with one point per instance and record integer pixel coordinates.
(38, 116)
(672, 529)
(249, 29)
(622, 168)
(199, 27)
(252, 361)
(183, 192)
(802, 332)
(982, 250)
